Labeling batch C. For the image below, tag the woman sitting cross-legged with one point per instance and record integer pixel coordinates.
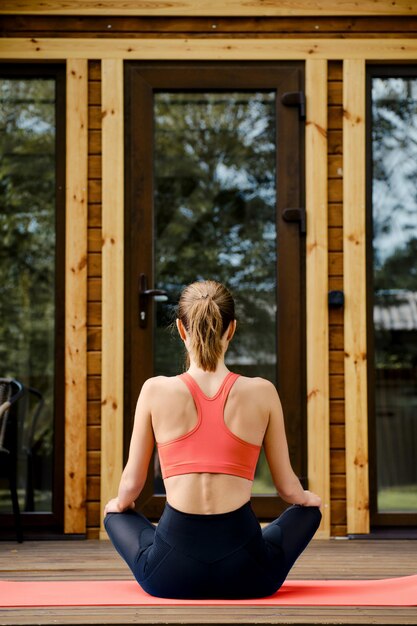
(209, 425)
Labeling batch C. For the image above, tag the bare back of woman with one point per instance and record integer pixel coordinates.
(209, 425)
(245, 414)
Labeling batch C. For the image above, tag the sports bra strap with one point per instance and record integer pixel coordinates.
(221, 394)
(227, 384)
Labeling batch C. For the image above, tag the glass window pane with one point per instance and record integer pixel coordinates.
(27, 276)
(215, 217)
(394, 206)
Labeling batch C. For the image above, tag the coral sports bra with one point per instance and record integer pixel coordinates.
(210, 446)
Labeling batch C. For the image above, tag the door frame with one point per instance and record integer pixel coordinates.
(38, 523)
(316, 269)
(141, 80)
(377, 519)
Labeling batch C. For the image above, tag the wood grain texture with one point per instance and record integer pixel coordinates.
(317, 287)
(43, 25)
(210, 7)
(95, 560)
(220, 49)
(76, 298)
(112, 279)
(354, 261)
(335, 233)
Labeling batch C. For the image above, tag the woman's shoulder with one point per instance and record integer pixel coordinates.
(161, 383)
(244, 384)
(256, 384)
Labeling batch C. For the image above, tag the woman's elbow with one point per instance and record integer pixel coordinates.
(132, 484)
(290, 491)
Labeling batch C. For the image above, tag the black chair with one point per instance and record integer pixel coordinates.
(11, 391)
(29, 446)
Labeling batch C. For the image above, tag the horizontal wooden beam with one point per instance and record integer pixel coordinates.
(210, 7)
(222, 49)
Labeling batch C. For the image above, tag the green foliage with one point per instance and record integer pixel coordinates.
(27, 240)
(394, 165)
(215, 210)
(27, 227)
(398, 499)
(399, 270)
(394, 149)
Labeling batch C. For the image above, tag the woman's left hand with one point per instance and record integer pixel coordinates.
(113, 506)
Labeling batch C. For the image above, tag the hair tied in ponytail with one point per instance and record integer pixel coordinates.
(206, 323)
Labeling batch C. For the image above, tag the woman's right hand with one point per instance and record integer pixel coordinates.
(312, 499)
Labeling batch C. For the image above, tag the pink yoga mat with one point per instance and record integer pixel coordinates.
(388, 592)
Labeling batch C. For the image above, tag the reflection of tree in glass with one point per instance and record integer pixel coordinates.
(215, 205)
(394, 153)
(27, 236)
(399, 270)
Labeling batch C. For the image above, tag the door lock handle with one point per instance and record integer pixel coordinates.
(144, 295)
(296, 215)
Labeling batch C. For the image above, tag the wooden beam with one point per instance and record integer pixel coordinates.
(354, 260)
(215, 49)
(112, 280)
(317, 288)
(76, 298)
(210, 7)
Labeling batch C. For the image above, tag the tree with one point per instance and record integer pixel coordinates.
(27, 240)
(215, 209)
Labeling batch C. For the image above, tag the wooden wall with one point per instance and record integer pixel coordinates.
(366, 27)
(94, 300)
(336, 352)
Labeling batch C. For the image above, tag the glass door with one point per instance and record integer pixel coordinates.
(32, 250)
(392, 213)
(213, 158)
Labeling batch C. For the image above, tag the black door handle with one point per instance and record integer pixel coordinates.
(296, 215)
(144, 295)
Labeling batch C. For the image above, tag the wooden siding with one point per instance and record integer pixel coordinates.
(121, 27)
(112, 297)
(317, 331)
(205, 48)
(94, 302)
(237, 8)
(335, 238)
(76, 298)
(354, 280)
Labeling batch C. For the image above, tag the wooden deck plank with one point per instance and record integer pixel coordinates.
(87, 560)
(225, 615)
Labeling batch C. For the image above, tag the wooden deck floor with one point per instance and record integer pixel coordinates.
(97, 560)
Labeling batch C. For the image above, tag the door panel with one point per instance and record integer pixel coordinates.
(213, 160)
(392, 294)
(32, 278)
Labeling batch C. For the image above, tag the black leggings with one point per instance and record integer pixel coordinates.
(211, 556)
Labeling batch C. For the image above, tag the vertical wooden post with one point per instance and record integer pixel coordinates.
(354, 260)
(112, 280)
(76, 298)
(317, 288)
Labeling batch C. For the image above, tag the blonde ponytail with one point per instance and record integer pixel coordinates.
(206, 309)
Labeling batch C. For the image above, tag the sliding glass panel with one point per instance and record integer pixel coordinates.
(394, 206)
(215, 217)
(27, 277)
